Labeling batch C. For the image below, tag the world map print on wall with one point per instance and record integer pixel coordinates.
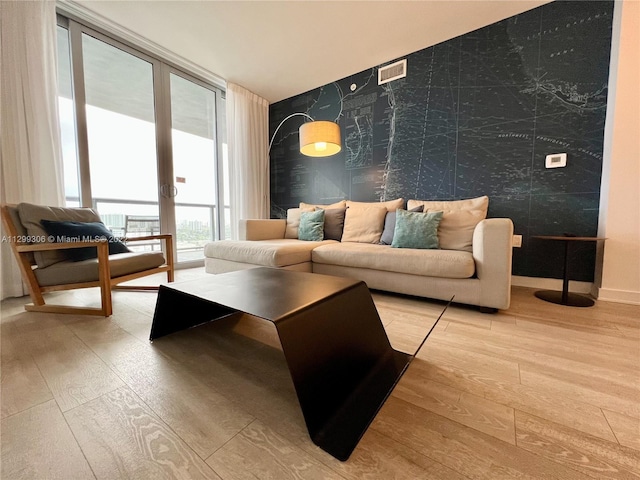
(476, 115)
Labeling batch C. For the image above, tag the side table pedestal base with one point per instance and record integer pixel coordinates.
(572, 300)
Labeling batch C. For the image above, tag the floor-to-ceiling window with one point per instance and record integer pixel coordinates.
(143, 141)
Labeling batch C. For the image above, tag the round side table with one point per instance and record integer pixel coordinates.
(564, 297)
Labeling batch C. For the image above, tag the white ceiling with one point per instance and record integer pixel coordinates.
(279, 49)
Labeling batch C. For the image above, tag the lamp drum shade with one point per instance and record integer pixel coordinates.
(320, 138)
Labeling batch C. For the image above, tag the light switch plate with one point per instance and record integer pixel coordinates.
(556, 160)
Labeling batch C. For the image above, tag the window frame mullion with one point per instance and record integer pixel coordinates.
(164, 150)
(80, 112)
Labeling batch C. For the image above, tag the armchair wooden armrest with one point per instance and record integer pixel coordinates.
(44, 247)
(158, 236)
(168, 243)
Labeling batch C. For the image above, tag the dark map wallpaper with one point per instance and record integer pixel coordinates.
(476, 115)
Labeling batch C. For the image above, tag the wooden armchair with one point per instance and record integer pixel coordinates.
(45, 265)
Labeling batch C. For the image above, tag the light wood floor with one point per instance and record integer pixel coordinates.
(538, 391)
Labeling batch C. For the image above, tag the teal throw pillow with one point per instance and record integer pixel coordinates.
(311, 226)
(416, 230)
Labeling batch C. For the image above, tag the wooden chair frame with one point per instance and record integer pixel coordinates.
(23, 253)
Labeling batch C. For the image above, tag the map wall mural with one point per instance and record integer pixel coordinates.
(476, 115)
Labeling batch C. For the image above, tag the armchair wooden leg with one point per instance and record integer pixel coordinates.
(104, 274)
(169, 247)
(34, 288)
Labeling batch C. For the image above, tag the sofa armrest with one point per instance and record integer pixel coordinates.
(492, 252)
(262, 229)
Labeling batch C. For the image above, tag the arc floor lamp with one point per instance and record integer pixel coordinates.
(318, 138)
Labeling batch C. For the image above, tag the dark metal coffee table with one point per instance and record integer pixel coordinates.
(340, 359)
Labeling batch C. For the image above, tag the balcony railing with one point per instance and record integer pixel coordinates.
(195, 223)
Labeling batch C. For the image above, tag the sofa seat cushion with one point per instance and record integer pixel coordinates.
(87, 270)
(430, 263)
(267, 253)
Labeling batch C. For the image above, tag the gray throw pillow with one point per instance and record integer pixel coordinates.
(334, 223)
(416, 230)
(311, 226)
(390, 225)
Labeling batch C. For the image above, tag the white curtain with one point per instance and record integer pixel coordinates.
(248, 143)
(30, 151)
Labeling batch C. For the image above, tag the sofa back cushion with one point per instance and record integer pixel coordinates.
(364, 224)
(391, 205)
(456, 229)
(459, 220)
(31, 215)
(479, 203)
(313, 206)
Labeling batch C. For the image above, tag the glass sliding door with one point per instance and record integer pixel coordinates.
(143, 142)
(121, 132)
(193, 138)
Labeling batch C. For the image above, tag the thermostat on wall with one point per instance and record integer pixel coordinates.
(556, 160)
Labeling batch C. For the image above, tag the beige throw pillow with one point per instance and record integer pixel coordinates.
(391, 205)
(364, 224)
(479, 203)
(455, 231)
(312, 206)
(460, 218)
(293, 221)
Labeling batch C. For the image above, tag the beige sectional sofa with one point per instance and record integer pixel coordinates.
(477, 270)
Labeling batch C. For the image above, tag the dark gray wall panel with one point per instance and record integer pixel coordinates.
(476, 115)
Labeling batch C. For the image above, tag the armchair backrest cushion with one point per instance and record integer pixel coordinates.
(31, 215)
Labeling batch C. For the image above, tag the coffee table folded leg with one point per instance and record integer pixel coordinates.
(176, 311)
(342, 365)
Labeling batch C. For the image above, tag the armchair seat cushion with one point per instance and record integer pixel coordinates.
(67, 272)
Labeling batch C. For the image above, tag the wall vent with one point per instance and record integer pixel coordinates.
(393, 71)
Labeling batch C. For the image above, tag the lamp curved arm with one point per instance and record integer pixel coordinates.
(282, 122)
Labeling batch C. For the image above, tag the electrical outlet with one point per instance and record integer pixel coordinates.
(517, 241)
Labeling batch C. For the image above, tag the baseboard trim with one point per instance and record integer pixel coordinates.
(619, 296)
(551, 284)
(604, 294)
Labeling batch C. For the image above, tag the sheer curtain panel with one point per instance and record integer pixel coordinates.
(247, 140)
(30, 151)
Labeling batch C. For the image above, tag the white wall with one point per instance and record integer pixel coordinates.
(618, 277)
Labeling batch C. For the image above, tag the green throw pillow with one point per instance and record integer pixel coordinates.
(311, 226)
(416, 230)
